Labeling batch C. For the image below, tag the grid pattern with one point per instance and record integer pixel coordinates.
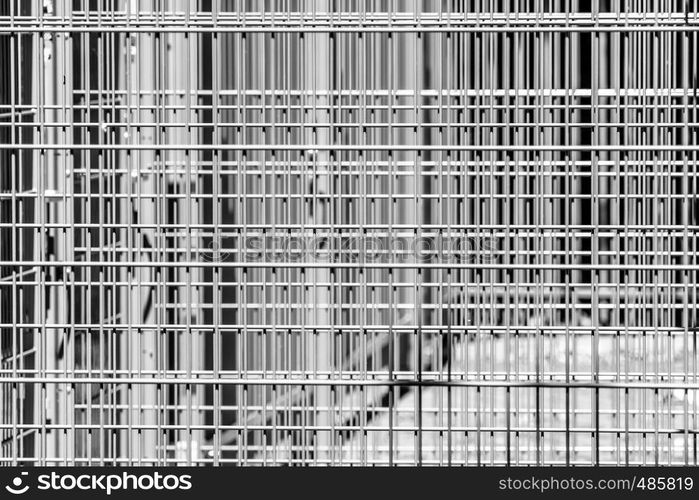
(348, 232)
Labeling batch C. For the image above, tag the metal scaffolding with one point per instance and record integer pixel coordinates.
(348, 232)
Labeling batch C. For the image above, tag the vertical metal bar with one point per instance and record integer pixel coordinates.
(318, 58)
(143, 94)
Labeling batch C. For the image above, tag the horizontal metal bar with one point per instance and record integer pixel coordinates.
(481, 329)
(355, 428)
(311, 148)
(475, 28)
(362, 265)
(163, 381)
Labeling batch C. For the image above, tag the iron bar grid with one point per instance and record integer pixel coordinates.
(348, 232)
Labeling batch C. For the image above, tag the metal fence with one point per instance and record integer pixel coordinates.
(348, 232)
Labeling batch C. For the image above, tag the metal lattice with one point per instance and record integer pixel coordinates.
(348, 232)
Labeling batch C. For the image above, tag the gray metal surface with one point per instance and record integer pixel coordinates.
(348, 232)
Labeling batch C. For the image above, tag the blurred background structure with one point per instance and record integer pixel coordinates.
(348, 232)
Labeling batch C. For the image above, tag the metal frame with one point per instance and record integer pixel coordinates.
(348, 232)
